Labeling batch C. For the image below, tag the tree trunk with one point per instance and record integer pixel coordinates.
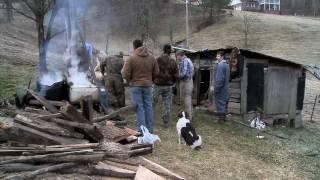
(41, 45)
(9, 11)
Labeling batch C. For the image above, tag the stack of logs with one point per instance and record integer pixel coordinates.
(68, 141)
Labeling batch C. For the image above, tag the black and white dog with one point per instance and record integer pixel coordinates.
(187, 131)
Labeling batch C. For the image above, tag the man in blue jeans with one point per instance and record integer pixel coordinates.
(140, 70)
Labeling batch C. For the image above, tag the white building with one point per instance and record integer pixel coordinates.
(256, 5)
(270, 5)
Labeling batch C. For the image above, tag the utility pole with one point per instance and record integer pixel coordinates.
(187, 24)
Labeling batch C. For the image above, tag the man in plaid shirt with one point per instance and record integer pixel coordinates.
(186, 81)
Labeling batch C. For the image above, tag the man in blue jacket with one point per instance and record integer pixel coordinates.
(221, 86)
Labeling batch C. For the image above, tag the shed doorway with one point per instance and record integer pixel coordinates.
(255, 88)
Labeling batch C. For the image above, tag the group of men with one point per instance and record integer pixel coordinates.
(150, 77)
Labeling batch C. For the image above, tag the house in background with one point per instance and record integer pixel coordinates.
(270, 6)
(245, 5)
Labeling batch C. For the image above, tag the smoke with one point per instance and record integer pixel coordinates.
(62, 58)
(50, 78)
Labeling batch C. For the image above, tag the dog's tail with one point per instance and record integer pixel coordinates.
(183, 114)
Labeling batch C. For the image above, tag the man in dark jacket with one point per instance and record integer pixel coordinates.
(140, 70)
(164, 81)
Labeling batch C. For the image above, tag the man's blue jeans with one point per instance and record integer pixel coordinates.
(143, 98)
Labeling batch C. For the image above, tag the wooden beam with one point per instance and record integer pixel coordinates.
(83, 126)
(144, 173)
(35, 102)
(114, 113)
(164, 171)
(53, 138)
(47, 127)
(44, 101)
(38, 158)
(32, 175)
(19, 167)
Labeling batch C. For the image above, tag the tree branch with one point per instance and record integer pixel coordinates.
(24, 14)
(34, 11)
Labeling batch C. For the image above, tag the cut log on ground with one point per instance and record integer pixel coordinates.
(44, 158)
(109, 170)
(33, 174)
(115, 113)
(19, 167)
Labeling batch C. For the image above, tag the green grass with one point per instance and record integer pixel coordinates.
(13, 77)
(232, 151)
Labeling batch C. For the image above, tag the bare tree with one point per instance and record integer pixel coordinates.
(248, 20)
(37, 11)
(9, 11)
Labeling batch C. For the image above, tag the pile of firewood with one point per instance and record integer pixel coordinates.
(62, 139)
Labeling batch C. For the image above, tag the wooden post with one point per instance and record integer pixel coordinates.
(87, 107)
(244, 85)
(114, 113)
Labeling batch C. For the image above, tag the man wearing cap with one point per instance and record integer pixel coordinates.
(186, 81)
(114, 81)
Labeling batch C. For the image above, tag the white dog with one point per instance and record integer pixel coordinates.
(187, 132)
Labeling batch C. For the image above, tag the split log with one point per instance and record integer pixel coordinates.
(115, 113)
(72, 114)
(44, 158)
(163, 171)
(19, 167)
(83, 126)
(141, 151)
(87, 107)
(48, 127)
(34, 102)
(44, 101)
(109, 170)
(136, 161)
(32, 175)
(52, 138)
(144, 173)
(122, 165)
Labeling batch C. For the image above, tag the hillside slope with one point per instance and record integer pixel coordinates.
(293, 38)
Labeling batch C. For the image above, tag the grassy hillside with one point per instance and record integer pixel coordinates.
(288, 37)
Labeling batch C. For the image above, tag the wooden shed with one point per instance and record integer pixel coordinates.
(273, 85)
